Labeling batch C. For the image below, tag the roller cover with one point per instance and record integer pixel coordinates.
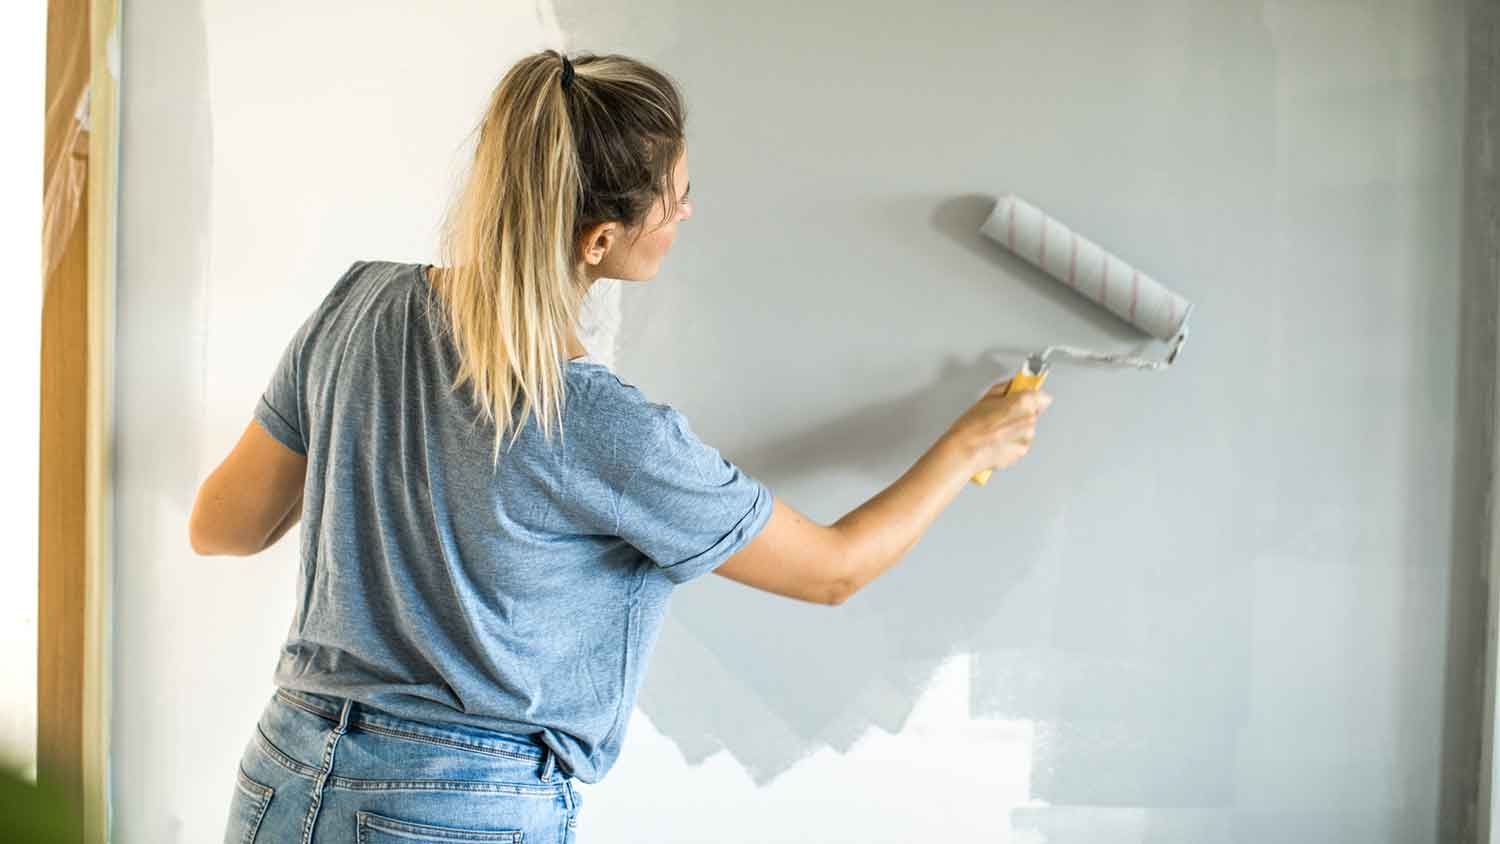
(1086, 267)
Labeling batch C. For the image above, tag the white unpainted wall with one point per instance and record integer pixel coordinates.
(23, 60)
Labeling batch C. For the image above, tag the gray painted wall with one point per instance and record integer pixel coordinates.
(1222, 593)
(1473, 714)
(1239, 600)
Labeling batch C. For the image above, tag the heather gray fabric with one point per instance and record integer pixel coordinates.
(524, 600)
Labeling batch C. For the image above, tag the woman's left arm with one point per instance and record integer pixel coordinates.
(293, 516)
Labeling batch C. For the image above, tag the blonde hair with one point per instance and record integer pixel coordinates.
(550, 163)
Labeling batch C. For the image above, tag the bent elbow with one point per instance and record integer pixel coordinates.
(840, 582)
(205, 545)
(196, 541)
(837, 593)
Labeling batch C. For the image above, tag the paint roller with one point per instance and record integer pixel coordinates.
(1086, 267)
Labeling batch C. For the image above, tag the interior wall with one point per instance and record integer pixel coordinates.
(1481, 272)
(1213, 604)
(23, 43)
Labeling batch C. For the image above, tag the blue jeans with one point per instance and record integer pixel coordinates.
(325, 770)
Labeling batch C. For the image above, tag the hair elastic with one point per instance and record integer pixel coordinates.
(567, 74)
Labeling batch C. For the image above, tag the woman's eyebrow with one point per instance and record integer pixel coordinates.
(688, 189)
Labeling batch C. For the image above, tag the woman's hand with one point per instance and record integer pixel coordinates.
(998, 430)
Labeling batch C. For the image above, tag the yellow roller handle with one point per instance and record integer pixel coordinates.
(1020, 382)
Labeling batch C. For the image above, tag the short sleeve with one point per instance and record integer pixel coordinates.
(686, 507)
(279, 410)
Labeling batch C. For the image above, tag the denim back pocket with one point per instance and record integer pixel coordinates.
(246, 808)
(379, 829)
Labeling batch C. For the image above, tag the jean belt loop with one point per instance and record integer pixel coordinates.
(343, 726)
(548, 765)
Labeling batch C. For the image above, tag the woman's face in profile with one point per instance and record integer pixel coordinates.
(641, 259)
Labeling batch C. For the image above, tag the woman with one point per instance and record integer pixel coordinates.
(478, 600)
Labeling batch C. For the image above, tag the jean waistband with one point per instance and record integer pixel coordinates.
(347, 714)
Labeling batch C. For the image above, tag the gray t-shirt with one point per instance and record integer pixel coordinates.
(527, 598)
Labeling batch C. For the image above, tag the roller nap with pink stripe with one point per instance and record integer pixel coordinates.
(1086, 267)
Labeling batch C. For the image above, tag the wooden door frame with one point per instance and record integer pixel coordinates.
(75, 507)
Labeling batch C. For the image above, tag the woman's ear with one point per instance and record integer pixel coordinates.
(597, 241)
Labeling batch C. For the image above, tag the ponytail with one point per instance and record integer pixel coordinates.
(550, 163)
